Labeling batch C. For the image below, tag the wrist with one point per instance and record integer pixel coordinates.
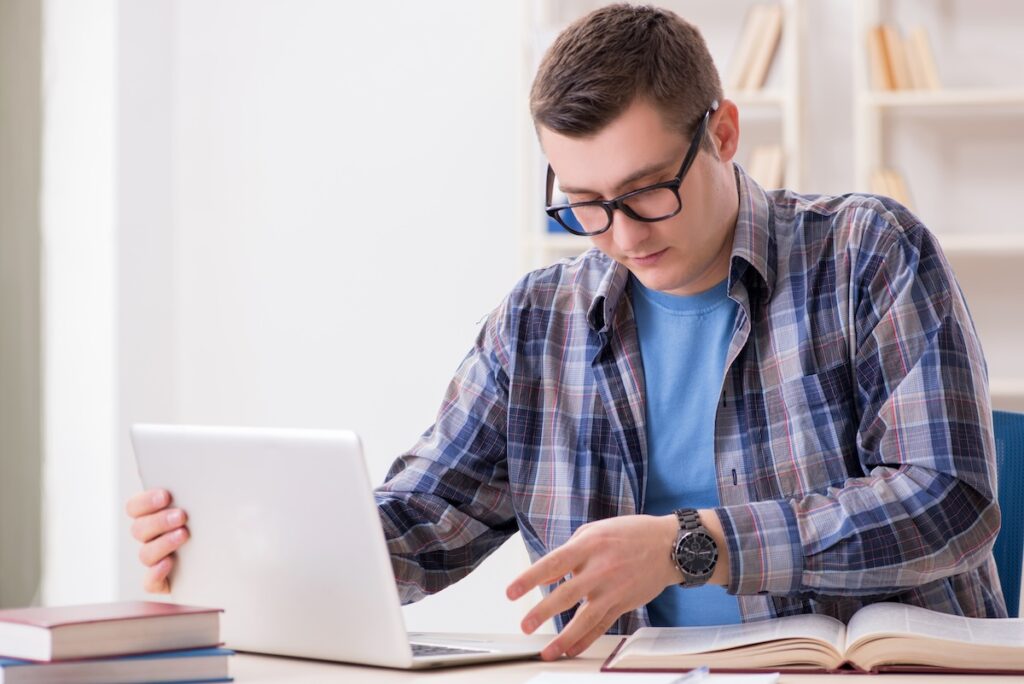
(709, 520)
(668, 531)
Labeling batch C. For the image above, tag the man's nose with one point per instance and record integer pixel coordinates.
(628, 233)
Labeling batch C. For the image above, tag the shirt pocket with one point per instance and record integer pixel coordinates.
(812, 432)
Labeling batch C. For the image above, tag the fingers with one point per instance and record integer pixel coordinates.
(590, 637)
(589, 622)
(155, 579)
(153, 552)
(147, 502)
(547, 570)
(162, 532)
(564, 597)
(149, 527)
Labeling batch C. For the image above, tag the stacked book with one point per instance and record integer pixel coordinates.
(139, 641)
(756, 48)
(899, 63)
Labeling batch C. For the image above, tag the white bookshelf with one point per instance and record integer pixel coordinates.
(957, 147)
(772, 114)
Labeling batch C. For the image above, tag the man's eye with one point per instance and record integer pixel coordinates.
(573, 199)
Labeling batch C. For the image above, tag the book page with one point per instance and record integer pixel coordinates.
(693, 640)
(896, 618)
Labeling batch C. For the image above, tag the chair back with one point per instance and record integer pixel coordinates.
(1009, 547)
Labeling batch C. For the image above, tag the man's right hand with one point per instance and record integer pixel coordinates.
(161, 529)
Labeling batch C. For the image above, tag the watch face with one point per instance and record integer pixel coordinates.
(697, 554)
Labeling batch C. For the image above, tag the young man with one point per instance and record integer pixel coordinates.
(742, 404)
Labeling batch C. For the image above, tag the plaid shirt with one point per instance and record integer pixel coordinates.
(853, 439)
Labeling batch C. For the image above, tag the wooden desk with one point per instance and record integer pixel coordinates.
(252, 668)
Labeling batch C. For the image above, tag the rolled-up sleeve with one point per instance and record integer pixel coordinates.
(445, 504)
(924, 506)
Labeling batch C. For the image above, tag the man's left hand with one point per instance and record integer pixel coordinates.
(616, 565)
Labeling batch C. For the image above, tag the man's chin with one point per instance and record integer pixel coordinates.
(655, 281)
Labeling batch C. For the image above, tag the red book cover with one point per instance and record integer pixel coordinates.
(105, 629)
(58, 616)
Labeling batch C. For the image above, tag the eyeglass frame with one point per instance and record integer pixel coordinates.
(611, 205)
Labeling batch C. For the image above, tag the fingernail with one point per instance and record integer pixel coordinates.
(175, 518)
(158, 498)
(179, 534)
(529, 625)
(513, 591)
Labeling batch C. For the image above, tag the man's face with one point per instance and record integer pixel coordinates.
(685, 254)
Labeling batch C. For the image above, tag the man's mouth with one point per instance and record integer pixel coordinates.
(648, 259)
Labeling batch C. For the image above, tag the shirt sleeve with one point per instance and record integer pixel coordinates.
(445, 504)
(926, 506)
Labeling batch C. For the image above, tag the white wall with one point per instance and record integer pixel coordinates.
(333, 189)
(78, 285)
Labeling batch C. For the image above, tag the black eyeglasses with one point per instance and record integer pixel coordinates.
(650, 204)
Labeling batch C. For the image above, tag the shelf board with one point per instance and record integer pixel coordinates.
(1008, 387)
(968, 98)
(983, 244)
(1007, 395)
(758, 98)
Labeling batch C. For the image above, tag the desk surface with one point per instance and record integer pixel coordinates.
(253, 668)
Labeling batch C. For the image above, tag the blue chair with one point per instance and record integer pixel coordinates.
(1009, 547)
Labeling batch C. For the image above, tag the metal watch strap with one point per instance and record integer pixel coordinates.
(689, 518)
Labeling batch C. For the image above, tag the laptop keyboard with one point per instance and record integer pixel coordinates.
(421, 650)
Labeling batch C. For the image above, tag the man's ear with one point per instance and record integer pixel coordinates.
(724, 129)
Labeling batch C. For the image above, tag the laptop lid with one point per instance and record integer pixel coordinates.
(285, 536)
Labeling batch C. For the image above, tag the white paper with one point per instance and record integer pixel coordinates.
(696, 640)
(646, 678)
(911, 621)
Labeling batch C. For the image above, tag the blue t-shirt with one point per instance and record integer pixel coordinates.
(684, 341)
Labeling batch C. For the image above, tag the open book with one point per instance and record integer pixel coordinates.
(881, 636)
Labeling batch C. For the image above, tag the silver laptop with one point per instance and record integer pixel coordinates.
(286, 539)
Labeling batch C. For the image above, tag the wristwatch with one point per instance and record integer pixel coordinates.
(695, 552)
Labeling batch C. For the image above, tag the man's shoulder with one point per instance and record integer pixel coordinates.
(563, 286)
(859, 224)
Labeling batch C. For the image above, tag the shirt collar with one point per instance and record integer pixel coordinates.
(753, 254)
(753, 244)
(602, 309)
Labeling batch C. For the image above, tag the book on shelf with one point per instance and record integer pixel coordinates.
(105, 629)
(920, 50)
(767, 164)
(881, 72)
(898, 63)
(755, 50)
(896, 53)
(739, 66)
(890, 183)
(200, 665)
(881, 637)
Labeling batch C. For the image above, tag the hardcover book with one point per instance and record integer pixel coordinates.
(202, 665)
(105, 629)
(879, 637)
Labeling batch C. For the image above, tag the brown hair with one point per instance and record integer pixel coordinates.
(604, 61)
